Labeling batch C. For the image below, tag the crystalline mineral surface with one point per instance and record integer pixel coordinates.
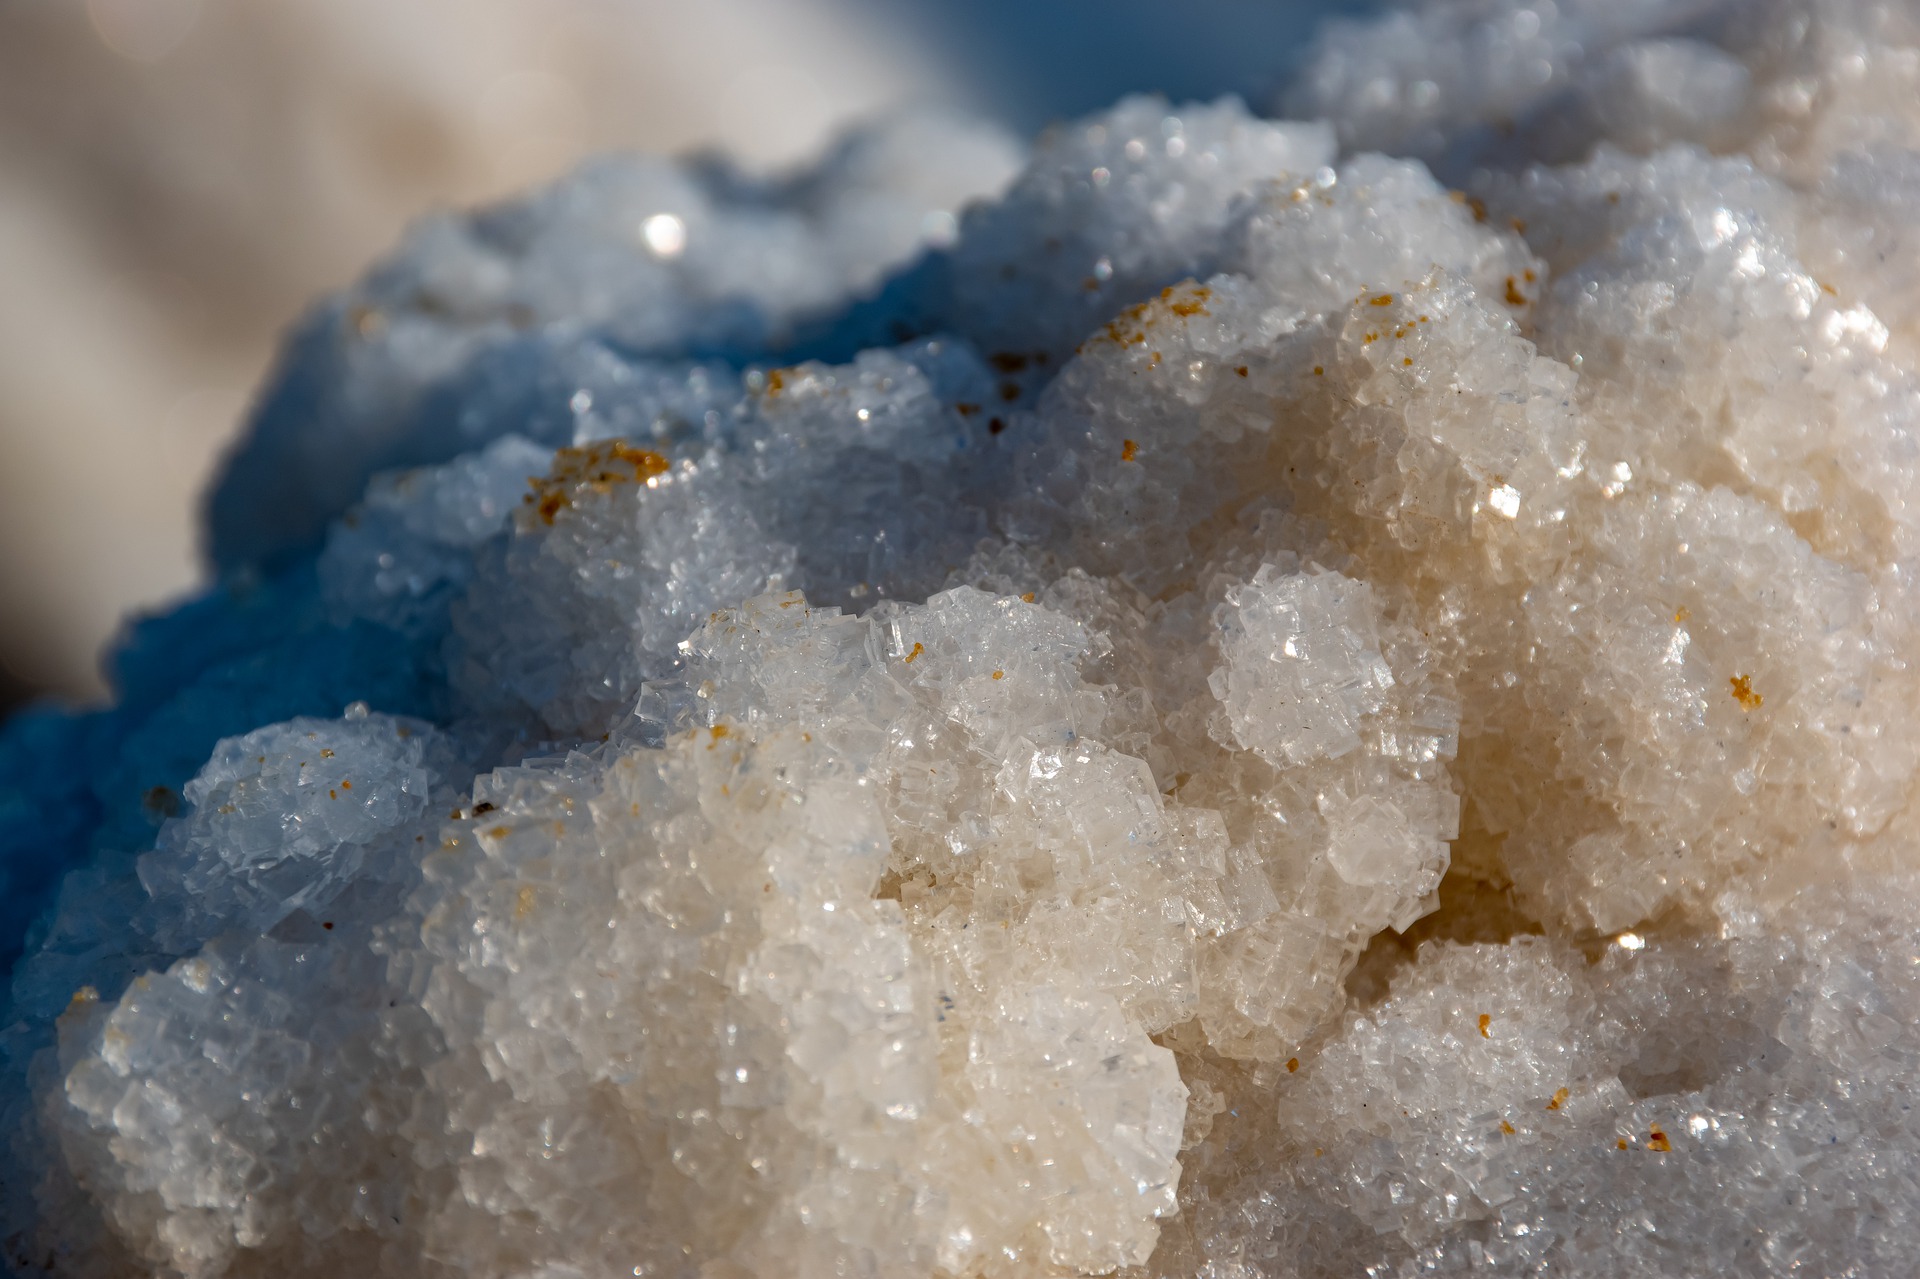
(1230, 698)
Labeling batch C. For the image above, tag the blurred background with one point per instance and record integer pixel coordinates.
(179, 178)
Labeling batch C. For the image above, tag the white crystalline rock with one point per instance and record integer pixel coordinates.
(410, 543)
(1110, 207)
(652, 254)
(1304, 668)
(279, 824)
(1253, 714)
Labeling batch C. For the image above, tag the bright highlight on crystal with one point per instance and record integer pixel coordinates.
(665, 235)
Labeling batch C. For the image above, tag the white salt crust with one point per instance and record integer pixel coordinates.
(1294, 721)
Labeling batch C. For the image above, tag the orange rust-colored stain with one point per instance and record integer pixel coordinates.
(1743, 693)
(1829, 289)
(715, 733)
(596, 466)
(1479, 208)
(333, 794)
(1486, 1020)
(1514, 296)
(1318, 371)
(1193, 304)
(1519, 227)
(1027, 597)
(918, 649)
(776, 382)
(1620, 1143)
(345, 784)
(1559, 1099)
(999, 674)
(1528, 275)
(1657, 1140)
(1384, 299)
(1128, 449)
(1240, 369)
(325, 753)
(1506, 1128)
(1407, 362)
(1129, 328)
(1293, 1064)
(500, 832)
(1681, 614)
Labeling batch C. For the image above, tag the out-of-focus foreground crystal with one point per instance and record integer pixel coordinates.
(1213, 702)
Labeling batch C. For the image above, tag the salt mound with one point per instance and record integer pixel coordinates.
(1250, 712)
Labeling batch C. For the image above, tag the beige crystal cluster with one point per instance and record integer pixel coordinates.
(1291, 719)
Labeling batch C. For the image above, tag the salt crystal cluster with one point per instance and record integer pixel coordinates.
(1235, 697)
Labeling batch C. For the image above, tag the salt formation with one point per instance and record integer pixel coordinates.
(1250, 712)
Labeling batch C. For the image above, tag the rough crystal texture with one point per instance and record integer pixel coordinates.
(1255, 711)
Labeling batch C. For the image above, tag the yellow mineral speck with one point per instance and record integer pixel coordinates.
(918, 648)
(1681, 614)
(999, 674)
(1621, 1143)
(326, 753)
(1293, 1064)
(1743, 693)
(1127, 450)
(1657, 1140)
(1486, 1019)
(1559, 1099)
(84, 995)
(1506, 1128)
(1028, 597)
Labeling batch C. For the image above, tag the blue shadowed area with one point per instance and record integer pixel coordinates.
(251, 652)
(1031, 64)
